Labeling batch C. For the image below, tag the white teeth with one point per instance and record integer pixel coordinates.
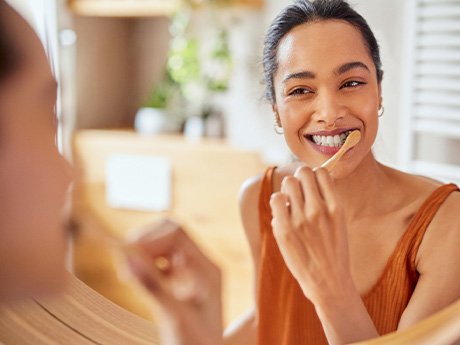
(331, 141)
(337, 140)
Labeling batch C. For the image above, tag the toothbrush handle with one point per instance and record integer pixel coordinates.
(332, 162)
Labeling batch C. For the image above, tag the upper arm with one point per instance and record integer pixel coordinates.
(249, 210)
(438, 264)
(244, 329)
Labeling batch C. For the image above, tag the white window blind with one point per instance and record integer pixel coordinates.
(431, 130)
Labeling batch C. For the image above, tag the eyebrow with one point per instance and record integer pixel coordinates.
(349, 66)
(339, 70)
(300, 75)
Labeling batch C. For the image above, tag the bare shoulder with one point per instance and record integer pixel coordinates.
(446, 221)
(438, 256)
(409, 191)
(249, 201)
(443, 234)
(249, 206)
(249, 197)
(249, 211)
(448, 214)
(281, 172)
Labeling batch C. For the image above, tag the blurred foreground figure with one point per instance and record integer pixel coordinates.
(34, 181)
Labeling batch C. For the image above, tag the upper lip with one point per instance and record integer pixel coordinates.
(330, 133)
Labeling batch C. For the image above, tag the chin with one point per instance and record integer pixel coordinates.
(53, 275)
(51, 283)
(18, 288)
(46, 277)
(343, 170)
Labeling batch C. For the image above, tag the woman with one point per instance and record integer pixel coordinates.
(34, 180)
(360, 252)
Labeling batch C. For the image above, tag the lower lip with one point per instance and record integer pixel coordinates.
(326, 150)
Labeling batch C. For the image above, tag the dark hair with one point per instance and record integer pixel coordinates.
(305, 11)
(8, 52)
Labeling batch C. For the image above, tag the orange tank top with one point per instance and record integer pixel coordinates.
(286, 317)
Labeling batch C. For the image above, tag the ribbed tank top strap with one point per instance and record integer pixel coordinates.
(266, 190)
(414, 235)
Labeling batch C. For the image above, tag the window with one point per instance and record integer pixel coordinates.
(430, 142)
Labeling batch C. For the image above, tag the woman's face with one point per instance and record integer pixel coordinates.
(326, 85)
(34, 178)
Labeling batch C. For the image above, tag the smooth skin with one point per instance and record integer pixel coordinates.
(325, 245)
(188, 289)
(34, 177)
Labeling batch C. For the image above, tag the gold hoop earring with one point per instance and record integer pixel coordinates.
(277, 125)
(278, 129)
(381, 111)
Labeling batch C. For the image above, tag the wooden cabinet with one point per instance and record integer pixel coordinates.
(123, 8)
(140, 8)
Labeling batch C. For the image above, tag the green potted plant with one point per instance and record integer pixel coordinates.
(155, 114)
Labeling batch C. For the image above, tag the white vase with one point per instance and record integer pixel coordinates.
(150, 120)
(194, 128)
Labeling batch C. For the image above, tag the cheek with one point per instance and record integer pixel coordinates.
(366, 109)
(294, 115)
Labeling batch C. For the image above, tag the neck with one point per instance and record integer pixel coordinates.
(361, 190)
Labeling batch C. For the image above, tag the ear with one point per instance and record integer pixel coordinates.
(380, 96)
(277, 116)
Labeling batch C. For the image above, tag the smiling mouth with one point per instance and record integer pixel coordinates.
(336, 140)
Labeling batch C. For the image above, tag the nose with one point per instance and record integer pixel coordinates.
(328, 109)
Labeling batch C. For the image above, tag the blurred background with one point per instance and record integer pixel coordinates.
(164, 98)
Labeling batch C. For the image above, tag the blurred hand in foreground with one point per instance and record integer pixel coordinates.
(184, 282)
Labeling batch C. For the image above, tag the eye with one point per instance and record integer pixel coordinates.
(352, 84)
(300, 91)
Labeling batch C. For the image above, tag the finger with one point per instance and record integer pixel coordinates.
(291, 188)
(146, 272)
(280, 211)
(185, 282)
(281, 222)
(290, 243)
(327, 189)
(311, 192)
(159, 238)
(165, 238)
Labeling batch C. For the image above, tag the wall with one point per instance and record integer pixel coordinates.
(249, 116)
(118, 61)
